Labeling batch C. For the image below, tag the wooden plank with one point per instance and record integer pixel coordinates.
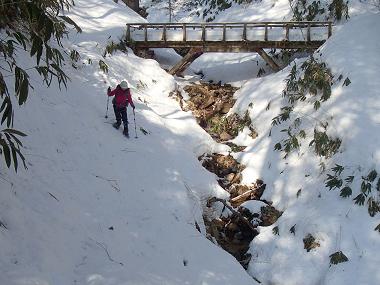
(145, 33)
(242, 198)
(268, 59)
(230, 46)
(329, 33)
(308, 33)
(164, 33)
(266, 33)
(224, 33)
(287, 32)
(203, 33)
(293, 23)
(245, 32)
(128, 36)
(184, 33)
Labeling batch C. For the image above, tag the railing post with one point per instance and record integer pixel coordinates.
(184, 32)
(164, 33)
(145, 33)
(266, 33)
(329, 30)
(308, 33)
(203, 33)
(245, 32)
(128, 36)
(287, 32)
(224, 32)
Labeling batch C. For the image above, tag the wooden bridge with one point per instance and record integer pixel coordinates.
(227, 37)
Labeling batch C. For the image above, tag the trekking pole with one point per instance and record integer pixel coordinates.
(108, 100)
(134, 119)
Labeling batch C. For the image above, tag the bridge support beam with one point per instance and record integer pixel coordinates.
(268, 59)
(185, 62)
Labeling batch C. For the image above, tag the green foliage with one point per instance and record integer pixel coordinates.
(212, 7)
(324, 145)
(360, 199)
(232, 124)
(373, 206)
(306, 11)
(337, 257)
(346, 192)
(276, 231)
(75, 57)
(261, 72)
(283, 116)
(33, 27)
(293, 230)
(347, 82)
(308, 84)
(103, 66)
(10, 147)
(141, 85)
(335, 181)
(315, 81)
(338, 9)
(112, 47)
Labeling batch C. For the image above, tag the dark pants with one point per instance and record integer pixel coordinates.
(121, 114)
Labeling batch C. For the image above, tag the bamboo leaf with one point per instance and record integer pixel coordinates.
(16, 132)
(71, 22)
(346, 192)
(6, 152)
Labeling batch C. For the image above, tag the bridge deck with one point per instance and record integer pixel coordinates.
(229, 37)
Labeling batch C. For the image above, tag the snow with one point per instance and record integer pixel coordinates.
(94, 208)
(254, 206)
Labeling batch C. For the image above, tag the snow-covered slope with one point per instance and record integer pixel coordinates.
(296, 185)
(94, 207)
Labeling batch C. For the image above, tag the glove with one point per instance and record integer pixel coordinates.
(109, 90)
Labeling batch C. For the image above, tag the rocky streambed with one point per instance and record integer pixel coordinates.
(234, 225)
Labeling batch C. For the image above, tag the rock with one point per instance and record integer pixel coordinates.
(310, 242)
(232, 227)
(269, 215)
(224, 136)
(253, 134)
(218, 106)
(226, 108)
(208, 103)
(230, 177)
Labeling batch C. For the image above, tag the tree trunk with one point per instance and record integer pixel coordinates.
(133, 4)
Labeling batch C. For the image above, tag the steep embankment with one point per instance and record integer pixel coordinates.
(93, 207)
(296, 184)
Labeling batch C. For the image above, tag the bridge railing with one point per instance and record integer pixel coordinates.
(225, 32)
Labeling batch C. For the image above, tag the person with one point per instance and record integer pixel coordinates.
(120, 102)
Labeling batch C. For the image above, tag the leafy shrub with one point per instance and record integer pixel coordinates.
(31, 26)
(311, 83)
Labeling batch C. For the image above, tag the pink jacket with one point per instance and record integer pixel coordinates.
(122, 97)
